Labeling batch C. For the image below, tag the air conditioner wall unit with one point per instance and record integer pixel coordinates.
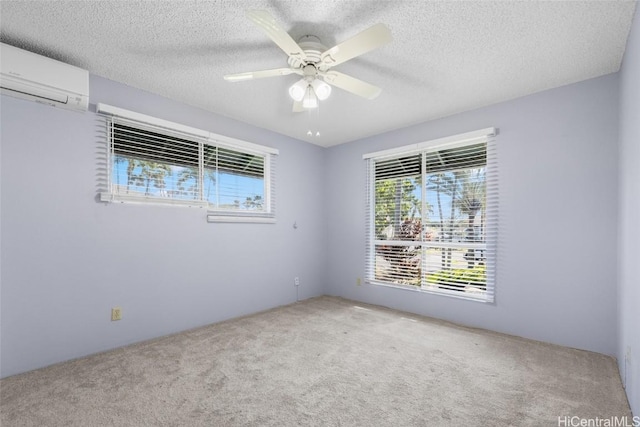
(34, 77)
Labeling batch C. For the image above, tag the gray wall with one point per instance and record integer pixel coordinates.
(629, 237)
(67, 259)
(557, 262)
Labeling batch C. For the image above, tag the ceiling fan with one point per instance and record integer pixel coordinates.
(314, 62)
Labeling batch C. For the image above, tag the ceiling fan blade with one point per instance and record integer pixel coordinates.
(297, 107)
(239, 77)
(369, 39)
(268, 24)
(351, 84)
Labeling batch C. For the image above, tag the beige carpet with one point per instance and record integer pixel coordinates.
(324, 362)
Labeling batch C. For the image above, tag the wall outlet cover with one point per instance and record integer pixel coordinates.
(116, 313)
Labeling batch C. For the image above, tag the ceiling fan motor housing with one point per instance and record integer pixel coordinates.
(312, 50)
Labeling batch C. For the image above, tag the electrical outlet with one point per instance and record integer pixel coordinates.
(359, 281)
(296, 281)
(116, 313)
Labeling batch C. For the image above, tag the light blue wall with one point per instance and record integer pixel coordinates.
(558, 179)
(67, 259)
(629, 237)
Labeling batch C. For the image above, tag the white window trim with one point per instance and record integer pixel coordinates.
(468, 138)
(206, 137)
(230, 218)
(448, 141)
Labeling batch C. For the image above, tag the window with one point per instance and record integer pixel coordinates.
(151, 160)
(432, 216)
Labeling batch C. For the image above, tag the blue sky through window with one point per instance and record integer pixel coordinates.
(171, 181)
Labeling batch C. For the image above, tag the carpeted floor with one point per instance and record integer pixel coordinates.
(321, 362)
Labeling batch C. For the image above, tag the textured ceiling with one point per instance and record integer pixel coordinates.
(446, 57)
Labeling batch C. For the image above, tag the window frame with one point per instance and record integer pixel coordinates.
(118, 116)
(456, 141)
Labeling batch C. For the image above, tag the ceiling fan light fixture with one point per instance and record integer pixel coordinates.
(310, 99)
(298, 90)
(321, 89)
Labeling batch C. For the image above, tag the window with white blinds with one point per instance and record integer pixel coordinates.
(152, 160)
(432, 216)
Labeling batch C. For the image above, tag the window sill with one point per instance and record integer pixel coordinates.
(477, 297)
(232, 218)
(108, 197)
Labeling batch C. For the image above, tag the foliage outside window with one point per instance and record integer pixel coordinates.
(430, 221)
(152, 164)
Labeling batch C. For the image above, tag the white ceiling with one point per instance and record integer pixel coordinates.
(446, 56)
